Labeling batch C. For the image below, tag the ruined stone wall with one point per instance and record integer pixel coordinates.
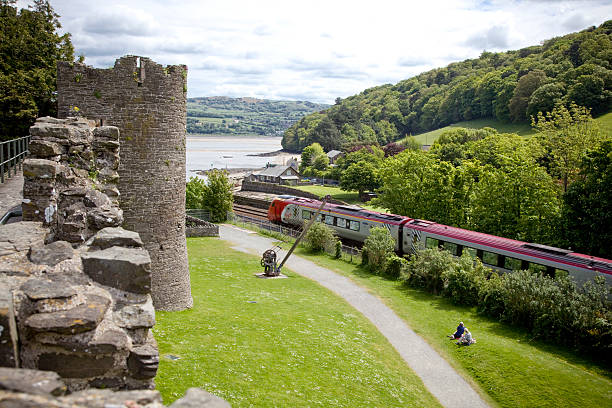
(147, 102)
(75, 289)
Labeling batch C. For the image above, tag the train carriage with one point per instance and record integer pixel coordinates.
(503, 254)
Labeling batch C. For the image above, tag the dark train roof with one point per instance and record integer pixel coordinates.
(525, 248)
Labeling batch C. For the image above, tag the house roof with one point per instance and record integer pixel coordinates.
(333, 153)
(275, 171)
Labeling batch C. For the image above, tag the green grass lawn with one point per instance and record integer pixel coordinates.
(522, 129)
(506, 362)
(350, 197)
(275, 343)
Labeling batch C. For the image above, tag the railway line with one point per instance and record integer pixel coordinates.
(251, 212)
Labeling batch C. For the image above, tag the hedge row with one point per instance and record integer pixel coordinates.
(554, 309)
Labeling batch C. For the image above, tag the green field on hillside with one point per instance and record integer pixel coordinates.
(522, 129)
(275, 343)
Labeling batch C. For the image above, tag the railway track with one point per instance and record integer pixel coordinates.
(252, 212)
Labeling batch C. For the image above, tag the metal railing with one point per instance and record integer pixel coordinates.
(12, 153)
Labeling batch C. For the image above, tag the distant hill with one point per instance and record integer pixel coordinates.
(506, 87)
(245, 116)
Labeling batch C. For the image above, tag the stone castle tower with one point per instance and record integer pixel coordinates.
(147, 102)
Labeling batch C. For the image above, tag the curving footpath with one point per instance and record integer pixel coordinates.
(437, 375)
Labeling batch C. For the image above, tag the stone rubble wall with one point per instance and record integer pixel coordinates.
(44, 389)
(147, 103)
(75, 287)
(200, 228)
(70, 178)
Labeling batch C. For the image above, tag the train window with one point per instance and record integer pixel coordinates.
(306, 214)
(354, 225)
(431, 243)
(450, 247)
(470, 251)
(512, 263)
(537, 268)
(341, 222)
(489, 258)
(320, 218)
(561, 273)
(329, 220)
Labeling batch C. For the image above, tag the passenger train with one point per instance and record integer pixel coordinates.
(354, 223)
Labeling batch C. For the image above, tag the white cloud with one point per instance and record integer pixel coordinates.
(317, 50)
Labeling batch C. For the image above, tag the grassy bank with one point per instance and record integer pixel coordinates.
(350, 197)
(283, 342)
(511, 367)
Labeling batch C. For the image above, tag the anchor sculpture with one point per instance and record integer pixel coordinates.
(268, 259)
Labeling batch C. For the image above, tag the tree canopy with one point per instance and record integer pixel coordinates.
(30, 47)
(512, 85)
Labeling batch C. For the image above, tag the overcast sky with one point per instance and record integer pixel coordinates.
(312, 50)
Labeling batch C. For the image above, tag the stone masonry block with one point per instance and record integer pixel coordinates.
(126, 269)
(116, 236)
(40, 168)
(31, 381)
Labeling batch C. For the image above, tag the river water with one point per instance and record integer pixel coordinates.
(229, 152)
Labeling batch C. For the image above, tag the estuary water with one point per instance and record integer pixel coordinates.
(229, 152)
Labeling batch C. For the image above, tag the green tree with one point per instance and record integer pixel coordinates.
(587, 210)
(310, 154)
(566, 134)
(519, 200)
(29, 50)
(525, 87)
(360, 176)
(217, 197)
(214, 195)
(378, 246)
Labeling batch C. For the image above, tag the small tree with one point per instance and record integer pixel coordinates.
(194, 192)
(567, 134)
(217, 197)
(378, 246)
(320, 238)
(214, 195)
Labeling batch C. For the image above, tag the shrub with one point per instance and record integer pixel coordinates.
(394, 266)
(320, 238)
(426, 269)
(491, 296)
(338, 253)
(378, 245)
(462, 282)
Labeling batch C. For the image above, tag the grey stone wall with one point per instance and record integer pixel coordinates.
(278, 189)
(75, 289)
(200, 228)
(147, 102)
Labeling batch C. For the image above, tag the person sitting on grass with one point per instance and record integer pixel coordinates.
(458, 333)
(466, 339)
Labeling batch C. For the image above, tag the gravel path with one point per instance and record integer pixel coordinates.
(437, 375)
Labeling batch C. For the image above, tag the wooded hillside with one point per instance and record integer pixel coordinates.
(245, 116)
(509, 86)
